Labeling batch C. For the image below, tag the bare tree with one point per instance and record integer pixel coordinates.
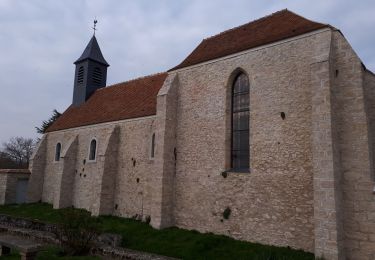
(19, 149)
(6, 162)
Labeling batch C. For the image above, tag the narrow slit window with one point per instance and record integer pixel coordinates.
(240, 154)
(152, 154)
(58, 152)
(92, 153)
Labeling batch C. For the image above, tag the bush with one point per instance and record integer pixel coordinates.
(77, 231)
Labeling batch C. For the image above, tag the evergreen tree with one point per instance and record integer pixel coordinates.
(43, 128)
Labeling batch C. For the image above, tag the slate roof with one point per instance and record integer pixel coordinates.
(275, 27)
(137, 98)
(131, 99)
(92, 52)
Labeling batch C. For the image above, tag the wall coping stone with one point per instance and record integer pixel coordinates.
(6, 171)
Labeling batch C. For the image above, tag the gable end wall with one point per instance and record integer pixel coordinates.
(352, 91)
(273, 204)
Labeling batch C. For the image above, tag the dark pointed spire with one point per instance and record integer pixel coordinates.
(90, 74)
(92, 52)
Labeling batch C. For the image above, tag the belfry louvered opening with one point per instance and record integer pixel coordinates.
(80, 75)
(97, 76)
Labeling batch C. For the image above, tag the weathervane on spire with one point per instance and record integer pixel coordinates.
(95, 22)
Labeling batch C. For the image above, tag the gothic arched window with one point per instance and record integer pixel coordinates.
(57, 152)
(92, 151)
(240, 154)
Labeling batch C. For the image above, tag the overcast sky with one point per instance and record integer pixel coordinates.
(40, 40)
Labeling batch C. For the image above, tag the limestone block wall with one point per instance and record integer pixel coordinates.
(273, 204)
(136, 169)
(87, 172)
(52, 167)
(63, 196)
(3, 185)
(326, 165)
(11, 187)
(369, 93)
(166, 154)
(128, 169)
(352, 92)
(8, 184)
(37, 167)
(105, 181)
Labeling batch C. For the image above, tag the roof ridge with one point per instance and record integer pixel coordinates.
(327, 24)
(253, 21)
(132, 80)
(274, 27)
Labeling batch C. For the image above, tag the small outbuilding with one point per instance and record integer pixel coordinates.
(13, 185)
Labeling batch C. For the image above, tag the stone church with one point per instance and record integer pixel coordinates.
(264, 133)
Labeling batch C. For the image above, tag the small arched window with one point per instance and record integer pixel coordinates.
(57, 152)
(97, 76)
(92, 151)
(240, 154)
(152, 154)
(80, 75)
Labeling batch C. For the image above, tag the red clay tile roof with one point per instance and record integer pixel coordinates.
(137, 98)
(272, 28)
(131, 99)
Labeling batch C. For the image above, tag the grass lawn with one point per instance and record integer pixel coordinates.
(12, 256)
(172, 242)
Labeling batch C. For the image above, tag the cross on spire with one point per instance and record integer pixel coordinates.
(94, 28)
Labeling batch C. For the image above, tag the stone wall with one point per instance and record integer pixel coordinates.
(37, 167)
(64, 179)
(166, 154)
(105, 180)
(326, 165)
(273, 204)
(3, 185)
(352, 90)
(8, 184)
(116, 182)
(135, 169)
(369, 94)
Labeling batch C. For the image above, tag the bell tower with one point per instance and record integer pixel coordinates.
(90, 73)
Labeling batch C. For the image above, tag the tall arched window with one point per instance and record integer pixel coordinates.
(240, 154)
(152, 154)
(57, 152)
(92, 152)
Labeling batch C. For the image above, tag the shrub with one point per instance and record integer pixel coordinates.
(77, 231)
